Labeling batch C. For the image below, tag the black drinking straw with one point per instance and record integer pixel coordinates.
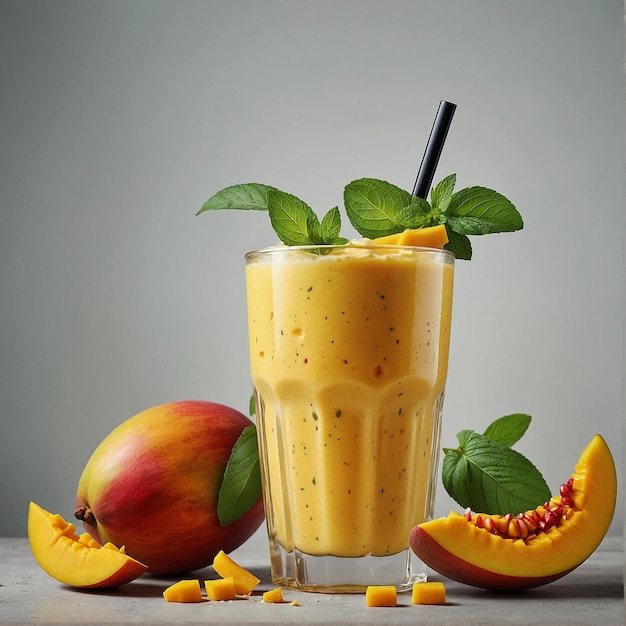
(433, 150)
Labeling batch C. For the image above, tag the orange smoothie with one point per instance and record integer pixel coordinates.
(349, 355)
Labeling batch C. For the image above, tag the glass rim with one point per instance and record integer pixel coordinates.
(278, 249)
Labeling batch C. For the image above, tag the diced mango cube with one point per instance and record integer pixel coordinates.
(221, 588)
(274, 596)
(428, 593)
(184, 591)
(380, 595)
(245, 581)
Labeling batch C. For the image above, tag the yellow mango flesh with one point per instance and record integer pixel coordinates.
(274, 596)
(244, 580)
(428, 593)
(470, 554)
(380, 595)
(221, 589)
(184, 591)
(76, 560)
(431, 237)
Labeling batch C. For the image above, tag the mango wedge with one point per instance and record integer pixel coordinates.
(245, 581)
(569, 528)
(431, 237)
(184, 591)
(76, 560)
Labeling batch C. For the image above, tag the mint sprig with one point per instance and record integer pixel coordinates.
(249, 196)
(481, 211)
(377, 208)
(296, 224)
(292, 219)
(485, 474)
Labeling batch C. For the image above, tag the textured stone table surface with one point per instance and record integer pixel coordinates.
(591, 594)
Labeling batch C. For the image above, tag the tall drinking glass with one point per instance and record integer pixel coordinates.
(349, 355)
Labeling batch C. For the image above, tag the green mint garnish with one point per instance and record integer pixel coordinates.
(294, 221)
(377, 208)
(485, 474)
(249, 196)
(509, 429)
(241, 485)
(441, 194)
(480, 211)
(296, 224)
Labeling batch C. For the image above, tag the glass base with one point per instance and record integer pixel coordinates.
(332, 574)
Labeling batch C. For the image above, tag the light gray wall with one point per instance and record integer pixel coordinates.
(119, 118)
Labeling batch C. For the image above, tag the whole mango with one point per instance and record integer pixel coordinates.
(152, 485)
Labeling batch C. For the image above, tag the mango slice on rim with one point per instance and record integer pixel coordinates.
(430, 237)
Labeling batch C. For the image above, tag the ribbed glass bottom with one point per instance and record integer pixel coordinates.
(330, 574)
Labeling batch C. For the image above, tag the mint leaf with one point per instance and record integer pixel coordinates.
(480, 211)
(313, 230)
(458, 244)
(417, 214)
(241, 485)
(330, 227)
(489, 477)
(291, 218)
(509, 429)
(374, 207)
(247, 196)
(441, 194)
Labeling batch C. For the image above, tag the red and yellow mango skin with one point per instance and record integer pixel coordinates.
(472, 555)
(153, 484)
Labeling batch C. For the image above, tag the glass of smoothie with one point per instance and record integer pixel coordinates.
(349, 354)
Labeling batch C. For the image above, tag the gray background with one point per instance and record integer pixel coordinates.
(119, 118)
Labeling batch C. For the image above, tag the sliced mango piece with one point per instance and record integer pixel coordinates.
(184, 591)
(245, 581)
(380, 595)
(274, 596)
(459, 548)
(221, 589)
(430, 237)
(76, 560)
(428, 593)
